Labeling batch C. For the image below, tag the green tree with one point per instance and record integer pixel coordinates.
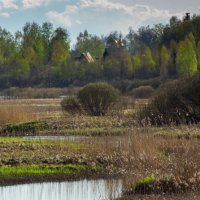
(191, 37)
(89, 43)
(111, 68)
(60, 49)
(7, 47)
(39, 50)
(47, 33)
(147, 60)
(164, 62)
(137, 62)
(186, 59)
(198, 55)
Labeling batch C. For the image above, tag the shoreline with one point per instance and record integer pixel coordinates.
(30, 178)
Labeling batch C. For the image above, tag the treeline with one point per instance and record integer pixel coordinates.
(41, 55)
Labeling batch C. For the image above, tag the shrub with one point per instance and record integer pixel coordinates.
(143, 92)
(24, 128)
(71, 105)
(154, 83)
(177, 103)
(96, 98)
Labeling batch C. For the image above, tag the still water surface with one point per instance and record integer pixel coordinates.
(117, 141)
(76, 190)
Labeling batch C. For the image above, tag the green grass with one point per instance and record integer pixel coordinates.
(178, 131)
(46, 142)
(146, 181)
(91, 131)
(41, 170)
(28, 127)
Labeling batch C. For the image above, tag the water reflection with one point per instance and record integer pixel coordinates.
(77, 190)
(108, 140)
(69, 138)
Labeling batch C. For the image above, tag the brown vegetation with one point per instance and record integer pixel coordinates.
(135, 153)
(16, 113)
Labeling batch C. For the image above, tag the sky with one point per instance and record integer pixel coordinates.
(99, 17)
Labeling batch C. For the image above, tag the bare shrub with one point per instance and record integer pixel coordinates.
(177, 103)
(97, 98)
(71, 105)
(143, 92)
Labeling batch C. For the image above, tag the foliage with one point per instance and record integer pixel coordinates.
(177, 103)
(41, 55)
(71, 105)
(96, 98)
(147, 60)
(89, 43)
(164, 59)
(24, 128)
(186, 58)
(143, 92)
(154, 83)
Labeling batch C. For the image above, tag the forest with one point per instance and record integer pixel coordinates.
(41, 56)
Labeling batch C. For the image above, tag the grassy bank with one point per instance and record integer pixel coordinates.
(10, 175)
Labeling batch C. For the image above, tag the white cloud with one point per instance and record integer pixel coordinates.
(34, 3)
(26, 4)
(64, 18)
(78, 22)
(4, 14)
(8, 4)
(141, 12)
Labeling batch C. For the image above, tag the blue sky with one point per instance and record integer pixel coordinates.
(99, 17)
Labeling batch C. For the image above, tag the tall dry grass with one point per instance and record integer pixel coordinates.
(167, 158)
(16, 114)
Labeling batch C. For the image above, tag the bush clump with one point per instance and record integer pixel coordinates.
(71, 105)
(165, 185)
(143, 92)
(177, 103)
(97, 98)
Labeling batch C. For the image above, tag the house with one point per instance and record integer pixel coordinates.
(85, 57)
(113, 47)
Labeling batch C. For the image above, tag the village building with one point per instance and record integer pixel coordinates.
(85, 57)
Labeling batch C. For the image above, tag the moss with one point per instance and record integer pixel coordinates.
(145, 185)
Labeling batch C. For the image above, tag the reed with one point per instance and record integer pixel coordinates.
(16, 113)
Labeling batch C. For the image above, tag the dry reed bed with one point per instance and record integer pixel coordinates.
(189, 196)
(16, 113)
(139, 153)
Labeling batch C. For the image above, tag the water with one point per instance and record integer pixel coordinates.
(76, 190)
(69, 138)
(108, 140)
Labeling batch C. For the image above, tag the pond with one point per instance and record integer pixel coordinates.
(76, 190)
(117, 141)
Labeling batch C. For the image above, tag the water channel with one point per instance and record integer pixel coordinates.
(75, 190)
